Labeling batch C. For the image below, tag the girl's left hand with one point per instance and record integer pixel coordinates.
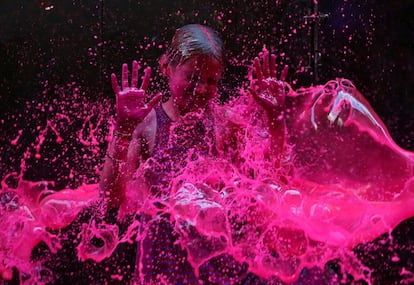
(267, 90)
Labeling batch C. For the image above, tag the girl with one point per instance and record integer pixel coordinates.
(159, 139)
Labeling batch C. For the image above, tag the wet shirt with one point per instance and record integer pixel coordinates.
(175, 145)
(161, 259)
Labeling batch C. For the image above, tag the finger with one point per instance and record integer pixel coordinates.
(124, 76)
(273, 66)
(254, 94)
(284, 73)
(146, 79)
(115, 85)
(266, 64)
(134, 78)
(155, 100)
(251, 90)
(259, 73)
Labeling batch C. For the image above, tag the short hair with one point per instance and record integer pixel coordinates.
(194, 40)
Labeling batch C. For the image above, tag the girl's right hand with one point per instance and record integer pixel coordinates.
(267, 90)
(131, 108)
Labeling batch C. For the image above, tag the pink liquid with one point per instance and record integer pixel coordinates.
(342, 182)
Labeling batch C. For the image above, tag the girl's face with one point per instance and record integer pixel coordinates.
(193, 83)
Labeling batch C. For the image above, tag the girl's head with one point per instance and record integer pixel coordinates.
(194, 40)
(193, 65)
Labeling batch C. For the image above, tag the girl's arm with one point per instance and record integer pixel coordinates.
(125, 149)
(270, 93)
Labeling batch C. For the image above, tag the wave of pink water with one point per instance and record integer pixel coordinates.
(343, 181)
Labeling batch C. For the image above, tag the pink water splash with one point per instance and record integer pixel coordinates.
(28, 213)
(342, 181)
(345, 182)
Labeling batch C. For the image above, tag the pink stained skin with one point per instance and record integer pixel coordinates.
(270, 94)
(131, 106)
(133, 113)
(193, 84)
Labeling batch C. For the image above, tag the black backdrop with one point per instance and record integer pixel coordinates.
(368, 41)
(50, 46)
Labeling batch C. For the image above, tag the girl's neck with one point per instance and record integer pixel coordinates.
(171, 110)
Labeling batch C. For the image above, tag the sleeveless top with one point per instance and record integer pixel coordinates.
(160, 257)
(174, 145)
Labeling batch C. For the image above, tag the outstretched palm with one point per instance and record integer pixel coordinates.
(131, 107)
(268, 91)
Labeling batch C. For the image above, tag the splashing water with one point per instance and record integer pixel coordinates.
(342, 182)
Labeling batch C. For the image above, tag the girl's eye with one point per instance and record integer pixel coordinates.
(195, 77)
(212, 81)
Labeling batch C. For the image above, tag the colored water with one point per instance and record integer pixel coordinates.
(342, 182)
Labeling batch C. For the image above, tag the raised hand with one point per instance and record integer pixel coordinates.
(131, 108)
(267, 90)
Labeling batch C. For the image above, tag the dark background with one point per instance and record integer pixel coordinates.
(56, 57)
